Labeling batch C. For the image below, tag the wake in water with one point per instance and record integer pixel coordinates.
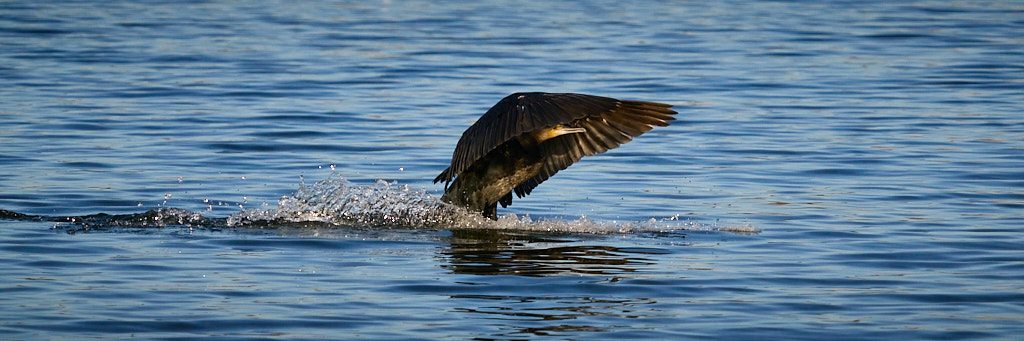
(336, 202)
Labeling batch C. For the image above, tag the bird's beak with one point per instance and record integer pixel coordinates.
(562, 130)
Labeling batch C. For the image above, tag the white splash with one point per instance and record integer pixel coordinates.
(336, 201)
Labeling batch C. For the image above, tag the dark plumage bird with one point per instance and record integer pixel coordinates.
(528, 137)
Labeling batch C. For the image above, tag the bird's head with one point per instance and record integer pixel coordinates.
(558, 130)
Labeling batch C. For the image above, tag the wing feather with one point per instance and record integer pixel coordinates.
(608, 122)
(605, 130)
(516, 114)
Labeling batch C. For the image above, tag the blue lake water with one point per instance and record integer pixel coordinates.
(838, 170)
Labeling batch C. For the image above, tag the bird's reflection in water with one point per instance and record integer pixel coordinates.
(556, 286)
(540, 256)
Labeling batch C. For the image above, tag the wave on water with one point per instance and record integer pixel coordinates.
(383, 205)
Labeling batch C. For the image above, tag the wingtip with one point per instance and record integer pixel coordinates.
(442, 176)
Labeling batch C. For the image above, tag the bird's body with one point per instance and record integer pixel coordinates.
(528, 137)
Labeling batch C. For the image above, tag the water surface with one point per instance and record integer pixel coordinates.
(838, 170)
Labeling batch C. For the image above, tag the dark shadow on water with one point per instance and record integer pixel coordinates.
(158, 218)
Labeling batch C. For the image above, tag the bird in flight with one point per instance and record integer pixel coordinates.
(528, 137)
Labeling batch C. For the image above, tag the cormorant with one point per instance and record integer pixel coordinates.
(528, 137)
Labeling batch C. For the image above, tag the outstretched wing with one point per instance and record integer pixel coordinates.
(605, 130)
(517, 114)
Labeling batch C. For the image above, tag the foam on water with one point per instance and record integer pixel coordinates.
(336, 201)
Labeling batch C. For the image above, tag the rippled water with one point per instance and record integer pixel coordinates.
(838, 170)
